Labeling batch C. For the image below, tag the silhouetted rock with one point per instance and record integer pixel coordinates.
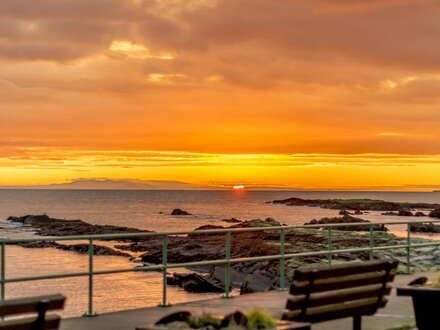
(46, 226)
(390, 214)
(405, 213)
(38, 245)
(435, 213)
(268, 222)
(98, 250)
(347, 219)
(232, 220)
(400, 213)
(194, 283)
(354, 204)
(180, 212)
(425, 228)
(419, 214)
(174, 317)
(208, 227)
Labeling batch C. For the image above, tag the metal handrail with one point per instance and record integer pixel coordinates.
(227, 262)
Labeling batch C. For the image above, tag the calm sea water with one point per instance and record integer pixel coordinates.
(148, 210)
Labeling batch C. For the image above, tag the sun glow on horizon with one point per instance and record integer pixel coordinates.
(238, 187)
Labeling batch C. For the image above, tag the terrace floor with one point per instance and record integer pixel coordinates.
(398, 312)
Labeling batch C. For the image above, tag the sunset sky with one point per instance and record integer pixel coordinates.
(288, 93)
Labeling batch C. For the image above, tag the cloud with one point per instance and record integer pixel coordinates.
(238, 76)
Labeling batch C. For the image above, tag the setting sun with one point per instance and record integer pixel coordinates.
(238, 187)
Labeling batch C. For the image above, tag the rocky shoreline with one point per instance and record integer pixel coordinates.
(46, 226)
(357, 204)
(246, 276)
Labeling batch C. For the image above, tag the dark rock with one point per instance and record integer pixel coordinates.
(405, 213)
(425, 228)
(180, 212)
(419, 214)
(343, 212)
(401, 213)
(98, 250)
(33, 220)
(232, 220)
(198, 284)
(355, 204)
(435, 213)
(358, 212)
(209, 227)
(268, 222)
(174, 317)
(347, 219)
(246, 288)
(256, 282)
(418, 281)
(390, 213)
(46, 226)
(35, 245)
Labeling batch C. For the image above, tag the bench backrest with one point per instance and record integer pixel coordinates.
(35, 305)
(327, 293)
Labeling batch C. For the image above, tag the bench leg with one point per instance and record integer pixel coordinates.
(357, 322)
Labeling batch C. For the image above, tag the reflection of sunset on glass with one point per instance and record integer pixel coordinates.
(189, 91)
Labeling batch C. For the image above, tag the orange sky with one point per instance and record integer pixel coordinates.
(305, 94)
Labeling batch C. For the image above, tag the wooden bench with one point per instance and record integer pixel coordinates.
(35, 305)
(334, 292)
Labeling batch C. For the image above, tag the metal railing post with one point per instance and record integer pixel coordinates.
(164, 271)
(371, 242)
(408, 249)
(330, 245)
(282, 260)
(91, 253)
(3, 271)
(228, 265)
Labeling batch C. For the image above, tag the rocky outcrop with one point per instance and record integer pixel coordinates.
(355, 204)
(346, 219)
(268, 222)
(435, 213)
(232, 220)
(419, 214)
(425, 228)
(46, 226)
(195, 283)
(389, 213)
(98, 250)
(180, 212)
(209, 227)
(402, 213)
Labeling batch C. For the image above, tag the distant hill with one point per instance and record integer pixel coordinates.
(111, 184)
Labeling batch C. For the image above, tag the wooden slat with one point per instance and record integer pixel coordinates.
(338, 283)
(52, 322)
(30, 305)
(333, 297)
(342, 270)
(336, 311)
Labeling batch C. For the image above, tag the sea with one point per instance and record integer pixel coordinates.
(148, 210)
